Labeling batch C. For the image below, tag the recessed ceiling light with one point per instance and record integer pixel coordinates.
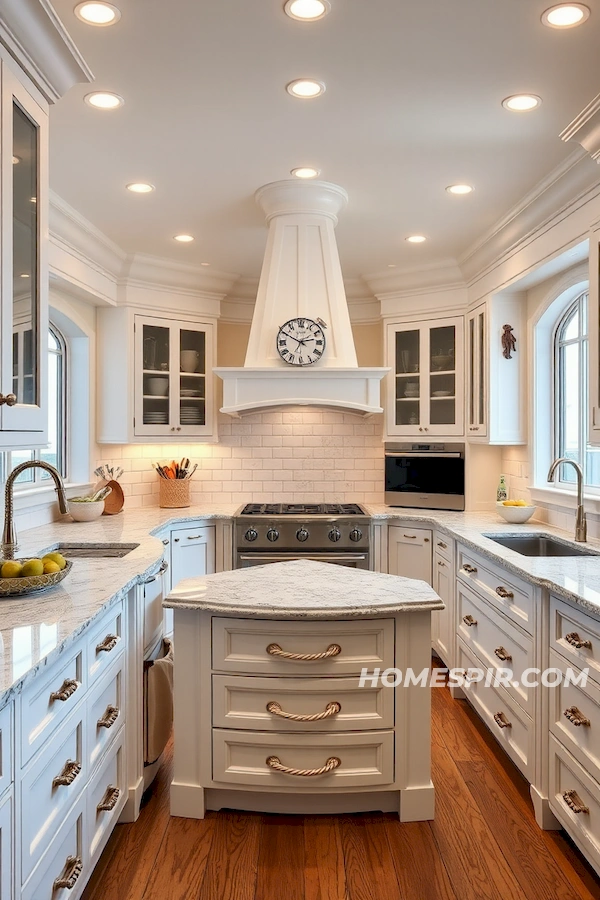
(305, 88)
(391, 265)
(460, 189)
(566, 15)
(205, 264)
(416, 239)
(521, 102)
(24, 275)
(307, 10)
(94, 12)
(305, 172)
(16, 160)
(104, 100)
(139, 187)
(183, 238)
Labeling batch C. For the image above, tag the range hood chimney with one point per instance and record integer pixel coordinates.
(301, 277)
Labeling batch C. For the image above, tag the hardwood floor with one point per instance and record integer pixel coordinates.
(484, 843)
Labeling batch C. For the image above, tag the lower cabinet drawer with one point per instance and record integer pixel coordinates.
(575, 636)
(106, 797)
(510, 725)
(105, 712)
(6, 746)
(264, 704)
(48, 788)
(105, 642)
(61, 873)
(503, 589)
(575, 799)
(365, 759)
(575, 717)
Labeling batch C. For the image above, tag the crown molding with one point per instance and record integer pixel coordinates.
(410, 280)
(38, 41)
(585, 129)
(169, 275)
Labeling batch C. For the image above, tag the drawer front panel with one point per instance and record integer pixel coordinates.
(491, 637)
(241, 702)
(6, 842)
(366, 759)
(583, 707)
(6, 754)
(106, 795)
(61, 862)
(153, 610)
(443, 545)
(497, 585)
(105, 712)
(566, 777)
(105, 643)
(517, 737)
(569, 628)
(240, 645)
(48, 700)
(44, 800)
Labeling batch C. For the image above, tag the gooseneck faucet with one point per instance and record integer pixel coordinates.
(9, 535)
(580, 522)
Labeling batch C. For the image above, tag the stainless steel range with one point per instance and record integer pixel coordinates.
(328, 532)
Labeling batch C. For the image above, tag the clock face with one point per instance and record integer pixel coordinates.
(301, 342)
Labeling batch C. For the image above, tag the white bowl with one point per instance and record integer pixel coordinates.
(516, 515)
(158, 386)
(86, 512)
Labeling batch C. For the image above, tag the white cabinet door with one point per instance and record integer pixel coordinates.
(409, 552)
(192, 555)
(6, 831)
(477, 389)
(442, 620)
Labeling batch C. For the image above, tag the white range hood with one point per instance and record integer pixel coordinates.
(301, 277)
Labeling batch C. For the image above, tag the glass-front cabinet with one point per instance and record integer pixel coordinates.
(24, 278)
(425, 387)
(477, 373)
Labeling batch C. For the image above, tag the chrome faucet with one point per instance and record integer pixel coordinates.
(580, 522)
(9, 535)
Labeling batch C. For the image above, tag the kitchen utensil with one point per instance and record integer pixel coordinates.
(14, 587)
(189, 360)
(113, 504)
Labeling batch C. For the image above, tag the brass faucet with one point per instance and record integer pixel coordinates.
(580, 522)
(9, 535)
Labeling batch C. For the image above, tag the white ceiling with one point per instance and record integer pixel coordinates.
(413, 103)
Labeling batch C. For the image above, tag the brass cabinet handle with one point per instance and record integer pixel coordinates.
(166, 542)
(332, 709)
(411, 537)
(577, 642)
(109, 643)
(109, 718)
(469, 620)
(574, 802)
(504, 593)
(70, 874)
(442, 545)
(503, 654)
(332, 650)
(8, 399)
(574, 715)
(469, 568)
(110, 799)
(194, 537)
(332, 763)
(71, 770)
(501, 720)
(66, 690)
(440, 563)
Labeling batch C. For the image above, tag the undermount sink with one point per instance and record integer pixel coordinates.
(94, 551)
(540, 545)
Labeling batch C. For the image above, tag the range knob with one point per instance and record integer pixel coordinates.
(251, 534)
(272, 534)
(356, 534)
(335, 534)
(302, 534)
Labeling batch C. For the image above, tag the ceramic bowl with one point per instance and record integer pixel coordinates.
(86, 512)
(158, 386)
(516, 515)
(14, 587)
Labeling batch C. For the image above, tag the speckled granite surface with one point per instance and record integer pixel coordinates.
(303, 589)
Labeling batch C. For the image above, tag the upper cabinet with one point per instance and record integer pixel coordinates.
(155, 378)
(477, 387)
(426, 385)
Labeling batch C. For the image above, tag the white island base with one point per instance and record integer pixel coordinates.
(260, 727)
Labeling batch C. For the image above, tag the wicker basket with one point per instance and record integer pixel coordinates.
(174, 493)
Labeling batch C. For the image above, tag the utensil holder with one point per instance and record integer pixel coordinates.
(174, 493)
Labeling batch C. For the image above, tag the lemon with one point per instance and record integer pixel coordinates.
(32, 567)
(55, 557)
(10, 569)
(50, 567)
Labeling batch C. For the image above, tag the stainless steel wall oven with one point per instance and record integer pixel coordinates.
(425, 476)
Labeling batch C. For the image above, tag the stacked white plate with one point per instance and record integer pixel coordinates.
(156, 418)
(191, 415)
(185, 392)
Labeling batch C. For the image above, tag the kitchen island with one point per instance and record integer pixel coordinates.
(269, 712)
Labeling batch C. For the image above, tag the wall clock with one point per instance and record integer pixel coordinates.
(301, 342)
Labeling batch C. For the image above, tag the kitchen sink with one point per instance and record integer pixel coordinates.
(94, 551)
(540, 545)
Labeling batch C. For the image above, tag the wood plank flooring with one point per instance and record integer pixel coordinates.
(484, 843)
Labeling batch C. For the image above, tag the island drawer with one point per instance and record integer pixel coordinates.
(64, 862)
(105, 712)
(575, 798)
(105, 642)
(492, 637)
(575, 636)
(575, 716)
(365, 759)
(507, 592)
(257, 646)
(244, 702)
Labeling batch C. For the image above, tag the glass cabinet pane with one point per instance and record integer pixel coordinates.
(408, 387)
(481, 379)
(155, 378)
(192, 390)
(442, 375)
(25, 258)
(472, 372)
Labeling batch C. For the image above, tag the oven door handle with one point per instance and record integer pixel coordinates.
(423, 454)
(325, 557)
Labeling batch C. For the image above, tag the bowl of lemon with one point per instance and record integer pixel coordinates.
(24, 576)
(517, 512)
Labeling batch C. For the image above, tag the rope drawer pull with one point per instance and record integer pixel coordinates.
(501, 720)
(109, 643)
(70, 874)
(575, 641)
(71, 770)
(332, 650)
(110, 799)
(332, 709)
(332, 763)
(469, 620)
(574, 715)
(109, 718)
(574, 802)
(469, 568)
(505, 593)
(503, 654)
(66, 690)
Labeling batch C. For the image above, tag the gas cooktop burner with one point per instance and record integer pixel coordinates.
(302, 509)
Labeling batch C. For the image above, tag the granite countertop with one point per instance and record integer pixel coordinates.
(304, 589)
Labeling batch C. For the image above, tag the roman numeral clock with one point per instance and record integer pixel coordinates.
(301, 342)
